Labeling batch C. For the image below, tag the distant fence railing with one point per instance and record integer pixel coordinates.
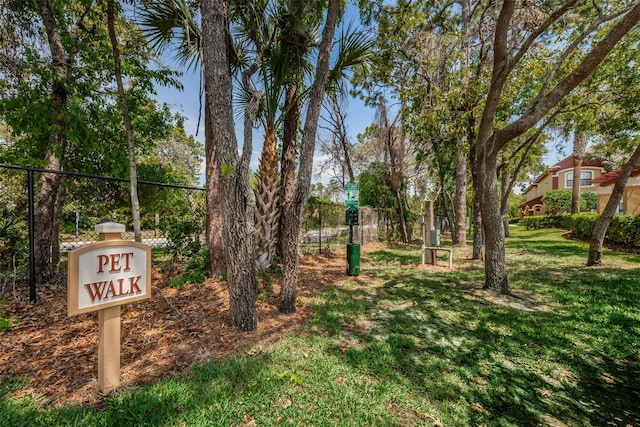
(324, 228)
(172, 219)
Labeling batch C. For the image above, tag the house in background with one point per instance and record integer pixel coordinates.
(560, 177)
(630, 203)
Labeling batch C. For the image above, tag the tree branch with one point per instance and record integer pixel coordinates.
(597, 54)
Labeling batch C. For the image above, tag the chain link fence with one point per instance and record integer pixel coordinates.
(172, 219)
(324, 227)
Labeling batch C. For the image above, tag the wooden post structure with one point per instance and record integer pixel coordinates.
(109, 325)
(102, 277)
(428, 255)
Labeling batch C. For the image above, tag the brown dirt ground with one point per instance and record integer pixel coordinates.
(56, 355)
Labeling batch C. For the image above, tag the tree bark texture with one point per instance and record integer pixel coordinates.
(504, 198)
(293, 217)
(213, 198)
(600, 228)
(289, 155)
(460, 208)
(237, 207)
(122, 100)
(495, 263)
(478, 234)
(267, 193)
(49, 182)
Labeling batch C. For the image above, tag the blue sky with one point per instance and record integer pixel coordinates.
(187, 103)
(359, 116)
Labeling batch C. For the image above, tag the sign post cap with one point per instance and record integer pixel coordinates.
(110, 227)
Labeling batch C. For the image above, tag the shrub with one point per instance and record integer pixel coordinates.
(536, 222)
(583, 224)
(557, 202)
(564, 221)
(623, 230)
(588, 202)
(194, 271)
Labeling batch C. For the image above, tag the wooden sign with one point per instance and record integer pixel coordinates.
(102, 277)
(108, 273)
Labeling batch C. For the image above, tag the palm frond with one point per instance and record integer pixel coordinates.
(168, 23)
(353, 50)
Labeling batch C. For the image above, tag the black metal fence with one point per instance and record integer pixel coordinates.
(172, 217)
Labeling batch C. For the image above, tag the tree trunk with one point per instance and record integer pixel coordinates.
(289, 155)
(293, 217)
(579, 149)
(266, 193)
(600, 228)
(237, 206)
(495, 266)
(504, 198)
(476, 216)
(460, 208)
(490, 141)
(48, 186)
(213, 199)
(478, 235)
(133, 174)
(57, 220)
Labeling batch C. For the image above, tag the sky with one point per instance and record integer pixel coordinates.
(358, 117)
(187, 103)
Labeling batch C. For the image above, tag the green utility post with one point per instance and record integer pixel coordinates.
(351, 219)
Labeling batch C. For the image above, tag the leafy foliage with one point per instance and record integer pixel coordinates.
(624, 230)
(195, 270)
(559, 201)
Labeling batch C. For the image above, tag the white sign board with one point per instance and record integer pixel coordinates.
(108, 273)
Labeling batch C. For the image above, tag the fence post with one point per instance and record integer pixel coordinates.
(319, 228)
(32, 241)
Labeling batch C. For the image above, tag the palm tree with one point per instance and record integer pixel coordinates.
(285, 33)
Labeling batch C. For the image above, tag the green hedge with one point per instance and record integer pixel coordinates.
(624, 230)
(546, 221)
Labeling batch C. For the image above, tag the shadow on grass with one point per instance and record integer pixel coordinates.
(570, 356)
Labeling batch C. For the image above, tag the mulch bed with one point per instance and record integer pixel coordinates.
(56, 355)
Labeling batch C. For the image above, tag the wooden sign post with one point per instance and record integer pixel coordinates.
(102, 277)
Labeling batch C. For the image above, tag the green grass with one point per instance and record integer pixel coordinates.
(407, 346)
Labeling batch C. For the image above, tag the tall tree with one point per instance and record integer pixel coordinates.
(491, 140)
(293, 215)
(337, 147)
(122, 100)
(61, 63)
(172, 25)
(237, 207)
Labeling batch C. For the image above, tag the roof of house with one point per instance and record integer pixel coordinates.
(566, 163)
(611, 177)
(531, 203)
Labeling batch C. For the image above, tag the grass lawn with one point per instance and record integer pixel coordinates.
(406, 345)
